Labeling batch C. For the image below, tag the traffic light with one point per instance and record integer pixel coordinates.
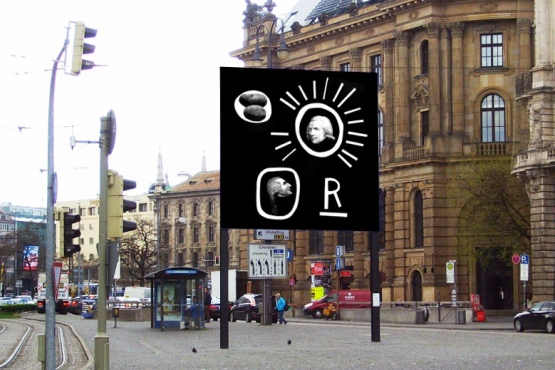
(76, 34)
(217, 261)
(68, 233)
(117, 205)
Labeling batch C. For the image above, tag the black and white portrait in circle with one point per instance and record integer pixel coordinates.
(253, 106)
(277, 194)
(277, 188)
(319, 133)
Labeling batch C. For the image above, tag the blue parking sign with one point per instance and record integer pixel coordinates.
(525, 259)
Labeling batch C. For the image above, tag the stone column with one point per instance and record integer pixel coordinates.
(525, 60)
(356, 59)
(388, 84)
(446, 88)
(433, 29)
(457, 76)
(541, 189)
(402, 83)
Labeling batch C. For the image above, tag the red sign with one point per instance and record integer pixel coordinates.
(318, 269)
(516, 259)
(345, 273)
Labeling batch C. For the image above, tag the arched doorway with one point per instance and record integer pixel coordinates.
(416, 286)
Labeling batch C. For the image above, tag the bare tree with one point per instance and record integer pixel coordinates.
(494, 221)
(139, 250)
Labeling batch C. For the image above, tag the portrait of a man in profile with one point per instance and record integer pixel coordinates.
(319, 133)
(277, 188)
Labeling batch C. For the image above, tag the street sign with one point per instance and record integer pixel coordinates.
(56, 275)
(524, 267)
(267, 261)
(290, 255)
(339, 263)
(345, 273)
(260, 234)
(516, 258)
(339, 251)
(450, 268)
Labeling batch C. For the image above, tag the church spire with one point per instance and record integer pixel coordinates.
(159, 186)
(203, 162)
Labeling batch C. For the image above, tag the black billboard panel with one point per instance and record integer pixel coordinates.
(299, 149)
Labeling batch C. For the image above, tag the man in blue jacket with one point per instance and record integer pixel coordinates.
(280, 304)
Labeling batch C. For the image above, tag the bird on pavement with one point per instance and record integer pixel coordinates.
(194, 350)
(289, 342)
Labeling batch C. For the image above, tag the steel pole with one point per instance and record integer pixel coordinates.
(50, 308)
(101, 340)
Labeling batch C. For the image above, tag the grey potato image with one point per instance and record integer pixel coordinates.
(277, 187)
(319, 129)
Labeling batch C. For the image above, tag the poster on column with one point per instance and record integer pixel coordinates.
(299, 149)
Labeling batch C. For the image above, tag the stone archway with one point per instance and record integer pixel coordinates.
(416, 286)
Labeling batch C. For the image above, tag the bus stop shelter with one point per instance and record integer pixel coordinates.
(177, 298)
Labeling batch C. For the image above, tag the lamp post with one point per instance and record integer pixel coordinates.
(282, 51)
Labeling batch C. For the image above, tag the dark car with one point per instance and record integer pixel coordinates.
(246, 308)
(540, 317)
(215, 308)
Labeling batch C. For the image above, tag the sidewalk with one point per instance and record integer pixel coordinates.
(502, 322)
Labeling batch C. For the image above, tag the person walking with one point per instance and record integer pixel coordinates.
(280, 305)
(207, 302)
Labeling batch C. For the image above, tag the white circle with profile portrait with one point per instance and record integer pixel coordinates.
(301, 136)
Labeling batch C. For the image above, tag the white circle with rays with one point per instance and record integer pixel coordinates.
(338, 140)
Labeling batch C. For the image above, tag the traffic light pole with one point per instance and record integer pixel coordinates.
(101, 340)
(51, 189)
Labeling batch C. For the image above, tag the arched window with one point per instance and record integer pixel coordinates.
(424, 57)
(418, 220)
(493, 119)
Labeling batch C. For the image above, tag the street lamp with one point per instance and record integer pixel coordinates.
(282, 51)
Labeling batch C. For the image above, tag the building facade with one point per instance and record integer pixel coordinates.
(447, 74)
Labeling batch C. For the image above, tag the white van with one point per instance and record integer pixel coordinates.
(140, 293)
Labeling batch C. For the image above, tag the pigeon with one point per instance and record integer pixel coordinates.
(194, 350)
(289, 342)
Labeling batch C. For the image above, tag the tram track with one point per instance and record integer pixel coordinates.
(19, 345)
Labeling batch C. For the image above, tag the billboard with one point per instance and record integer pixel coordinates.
(31, 257)
(299, 149)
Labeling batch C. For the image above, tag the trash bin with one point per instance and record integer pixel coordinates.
(461, 317)
(420, 316)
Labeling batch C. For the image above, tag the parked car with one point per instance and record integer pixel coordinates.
(355, 298)
(84, 302)
(246, 308)
(5, 301)
(215, 308)
(541, 316)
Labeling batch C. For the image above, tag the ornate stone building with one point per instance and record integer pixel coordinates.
(448, 92)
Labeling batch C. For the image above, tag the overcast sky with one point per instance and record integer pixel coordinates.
(160, 75)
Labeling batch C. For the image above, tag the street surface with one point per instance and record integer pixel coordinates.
(321, 344)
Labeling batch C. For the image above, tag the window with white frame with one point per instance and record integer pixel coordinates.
(491, 50)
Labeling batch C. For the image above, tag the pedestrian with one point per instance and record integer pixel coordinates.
(280, 304)
(207, 303)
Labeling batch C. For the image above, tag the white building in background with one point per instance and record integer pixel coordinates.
(88, 209)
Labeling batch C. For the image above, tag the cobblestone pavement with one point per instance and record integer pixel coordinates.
(320, 344)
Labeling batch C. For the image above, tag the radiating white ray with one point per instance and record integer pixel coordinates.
(344, 160)
(349, 154)
(354, 143)
(355, 121)
(293, 98)
(302, 92)
(314, 89)
(347, 97)
(283, 145)
(356, 134)
(325, 88)
(337, 93)
(291, 152)
(287, 103)
(279, 134)
(352, 110)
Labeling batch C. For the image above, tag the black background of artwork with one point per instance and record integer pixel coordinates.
(248, 148)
